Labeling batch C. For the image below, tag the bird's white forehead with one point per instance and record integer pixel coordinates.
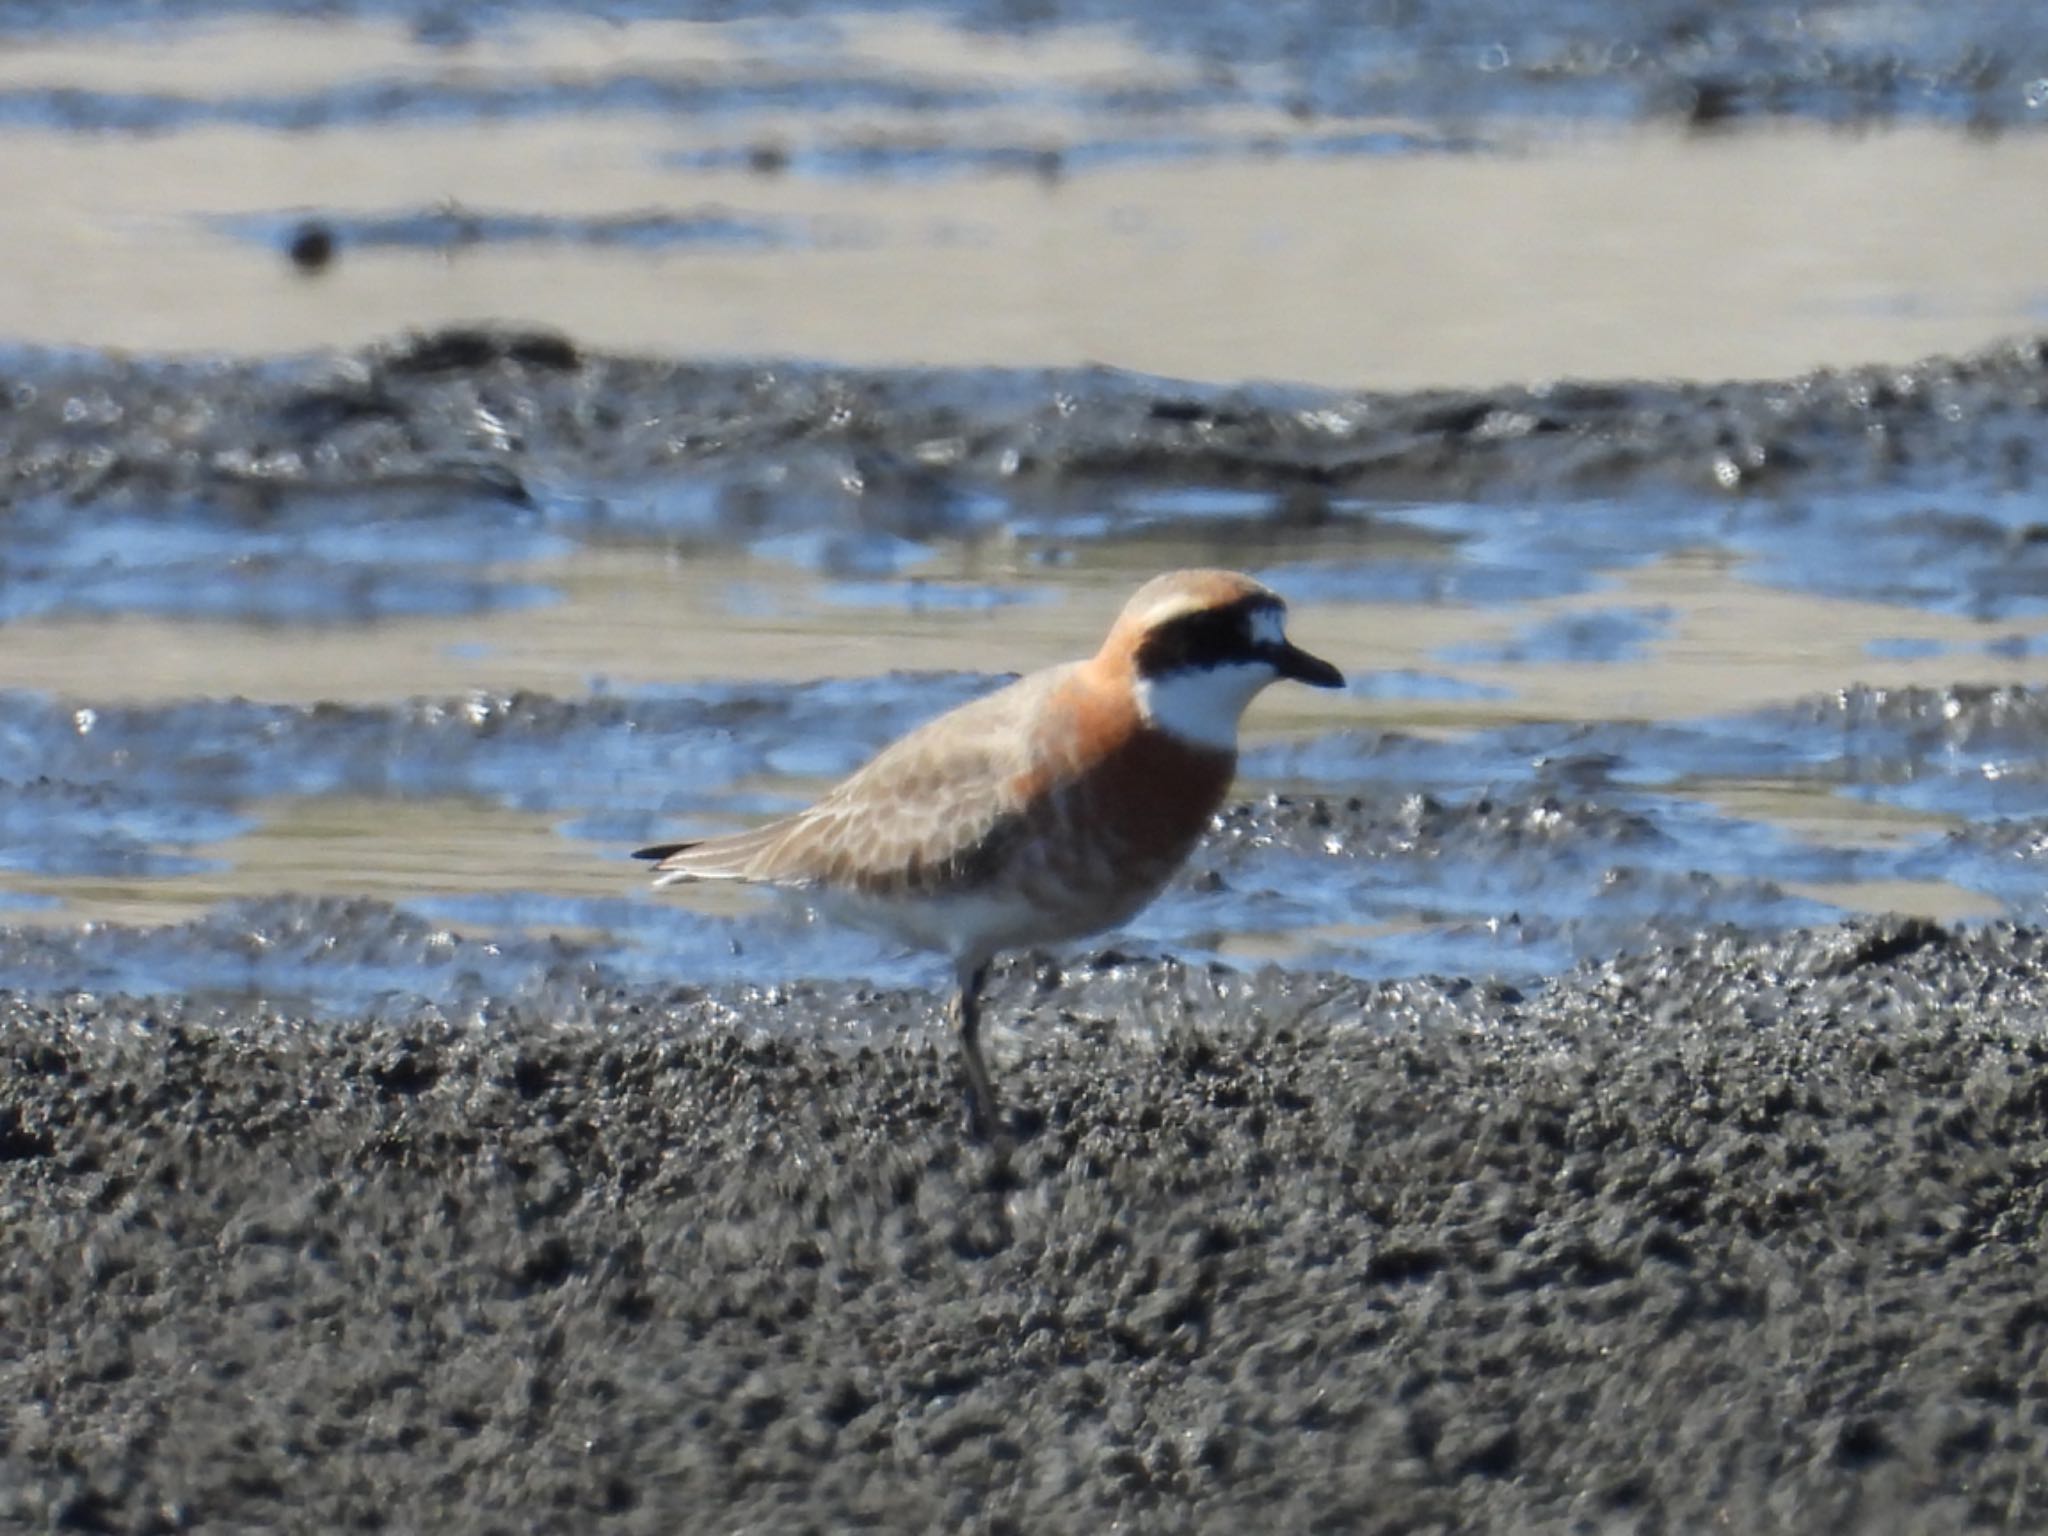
(1269, 625)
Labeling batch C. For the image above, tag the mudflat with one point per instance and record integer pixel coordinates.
(1739, 1235)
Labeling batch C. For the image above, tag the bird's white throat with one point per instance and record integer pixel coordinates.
(1202, 705)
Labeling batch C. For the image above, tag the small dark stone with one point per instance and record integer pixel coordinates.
(312, 246)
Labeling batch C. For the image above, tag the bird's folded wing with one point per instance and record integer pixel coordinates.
(939, 807)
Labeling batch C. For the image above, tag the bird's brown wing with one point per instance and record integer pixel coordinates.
(935, 807)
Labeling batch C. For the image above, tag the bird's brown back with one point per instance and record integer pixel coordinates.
(1053, 782)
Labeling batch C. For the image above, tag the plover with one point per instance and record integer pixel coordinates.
(1053, 808)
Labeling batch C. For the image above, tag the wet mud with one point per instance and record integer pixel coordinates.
(1735, 1235)
(497, 413)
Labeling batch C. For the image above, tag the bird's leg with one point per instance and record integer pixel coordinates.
(981, 1093)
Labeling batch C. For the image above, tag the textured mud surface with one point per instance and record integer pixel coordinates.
(1734, 1237)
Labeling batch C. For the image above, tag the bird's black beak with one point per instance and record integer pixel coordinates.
(1290, 660)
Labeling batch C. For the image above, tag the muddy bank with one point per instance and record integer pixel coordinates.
(1742, 1236)
(510, 418)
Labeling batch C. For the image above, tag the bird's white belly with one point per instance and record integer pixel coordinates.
(968, 923)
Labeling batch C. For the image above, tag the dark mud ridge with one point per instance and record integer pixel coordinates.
(1743, 1236)
(505, 417)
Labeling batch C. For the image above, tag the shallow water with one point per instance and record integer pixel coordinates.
(271, 722)
(885, 189)
(1522, 773)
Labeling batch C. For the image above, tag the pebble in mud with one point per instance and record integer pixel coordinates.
(1737, 1236)
(312, 246)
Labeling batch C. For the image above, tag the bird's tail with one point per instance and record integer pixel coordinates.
(662, 853)
(743, 856)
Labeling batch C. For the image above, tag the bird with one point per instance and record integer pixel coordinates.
(1056, 807)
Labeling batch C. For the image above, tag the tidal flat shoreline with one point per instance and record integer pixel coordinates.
(1744, 1235)
(1740, 1234)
